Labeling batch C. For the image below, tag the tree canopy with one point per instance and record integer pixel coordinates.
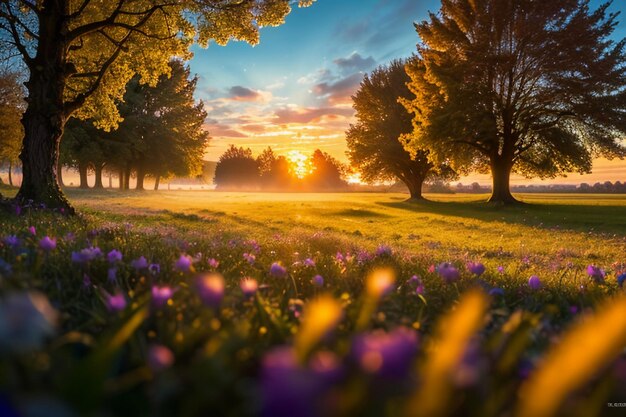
(81, 54)
(529, 86)
(374, 145)
(11, 108)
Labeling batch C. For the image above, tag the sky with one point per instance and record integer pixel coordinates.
(293, 91)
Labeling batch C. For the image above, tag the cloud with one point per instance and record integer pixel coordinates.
(339, 91)
(240, 93)
(308, 115)
(222, 130)
(355, 62)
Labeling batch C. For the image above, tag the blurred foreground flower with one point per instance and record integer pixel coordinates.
(183, 263)
(160, 358)
(596, 273)
(476, 268)
(377, 284)
(320, 317)
(48, 244)
(586, 348)
(161, 295)
(277, 270)
(534, 282)
(448, 272)
(26, 320)
(210, 289)
(385, 354)
(249, 287)
(139, 263)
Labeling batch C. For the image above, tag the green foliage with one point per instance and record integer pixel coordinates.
(237, 168)
(11, 108)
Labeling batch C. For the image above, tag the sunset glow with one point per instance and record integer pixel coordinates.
(300, 163)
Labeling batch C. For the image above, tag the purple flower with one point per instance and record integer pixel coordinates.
(210, 289)
(448, 272)
(86, 255)
(183, 263)
(339, 257)
(161, 295)
(249, 287)
(12, 241)
(154, 269)
(214, 263)
(573, 309)
(32, 230)
(18, 209)
(384, 250)
(115, 303)
(476, 268)
(534, 282)
(112, 274)
(278, 271)
(501, 269)
(416, 281)
(114, 256)
(621, 278)
(384, 354)
(249, 257)
(596, 273)
(318, 281)
(496, 292)
(309, 262)
(160, 358)
(139, 263)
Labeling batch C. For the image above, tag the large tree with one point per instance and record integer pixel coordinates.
(80, 55)
(374, 145)
(237, 169)
(530, 86)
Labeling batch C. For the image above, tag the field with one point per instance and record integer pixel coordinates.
(342, 294)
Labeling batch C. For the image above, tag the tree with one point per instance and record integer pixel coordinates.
(80, 55)
(274, 170)
(11, 109)
(529, 86)
(237, 168)
(374, 146)
(327, 172)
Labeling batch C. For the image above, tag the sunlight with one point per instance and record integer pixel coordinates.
(300, 163)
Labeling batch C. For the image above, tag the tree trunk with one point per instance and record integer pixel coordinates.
(10, 175)
(98, 184)
(127, 173)
(415, 187)
(501, 174)
(121, 175)
(60, 174)
(45, 116)
(82, 172)
(140, 177)
(157, 181)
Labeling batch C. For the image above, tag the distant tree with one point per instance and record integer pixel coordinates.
(80, 55)
(327, 172)
(12, 106)
(530, 86)
(237, 168)
(274, 170)
(374, 146)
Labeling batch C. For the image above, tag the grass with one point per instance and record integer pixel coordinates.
(210, 350)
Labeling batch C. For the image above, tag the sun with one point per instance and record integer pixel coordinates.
(300, 163)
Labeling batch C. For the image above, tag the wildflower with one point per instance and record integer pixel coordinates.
(249, 257)
(384, 250)
(339, 257)
(114, 256)
(596, 273)
(86, 255)
(112, 274)
(318, 281)
(496, 292)
(139, 263)
(277, 270)
(387, 355)
(621, 278)
(534, 282)
(12, 241)
(249, 287)
(309, 262)
(416, 281)
(432, 269)
(161, 295)
(115, 303)
(26, 320)
(183, 263)
(213, 263)
(380, 283)
(154, 269)
(448, 272)
(296, 306)
(476, 268)
(32, 230)
(501, 269)
(160, 358)
(210, 288)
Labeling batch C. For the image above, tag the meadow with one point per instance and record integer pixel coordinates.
(194, 303)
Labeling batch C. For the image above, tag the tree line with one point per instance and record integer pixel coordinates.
(238, 169)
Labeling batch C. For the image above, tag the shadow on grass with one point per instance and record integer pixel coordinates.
(582, 218)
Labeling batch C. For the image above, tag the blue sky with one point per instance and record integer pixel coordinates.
(292, 91)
